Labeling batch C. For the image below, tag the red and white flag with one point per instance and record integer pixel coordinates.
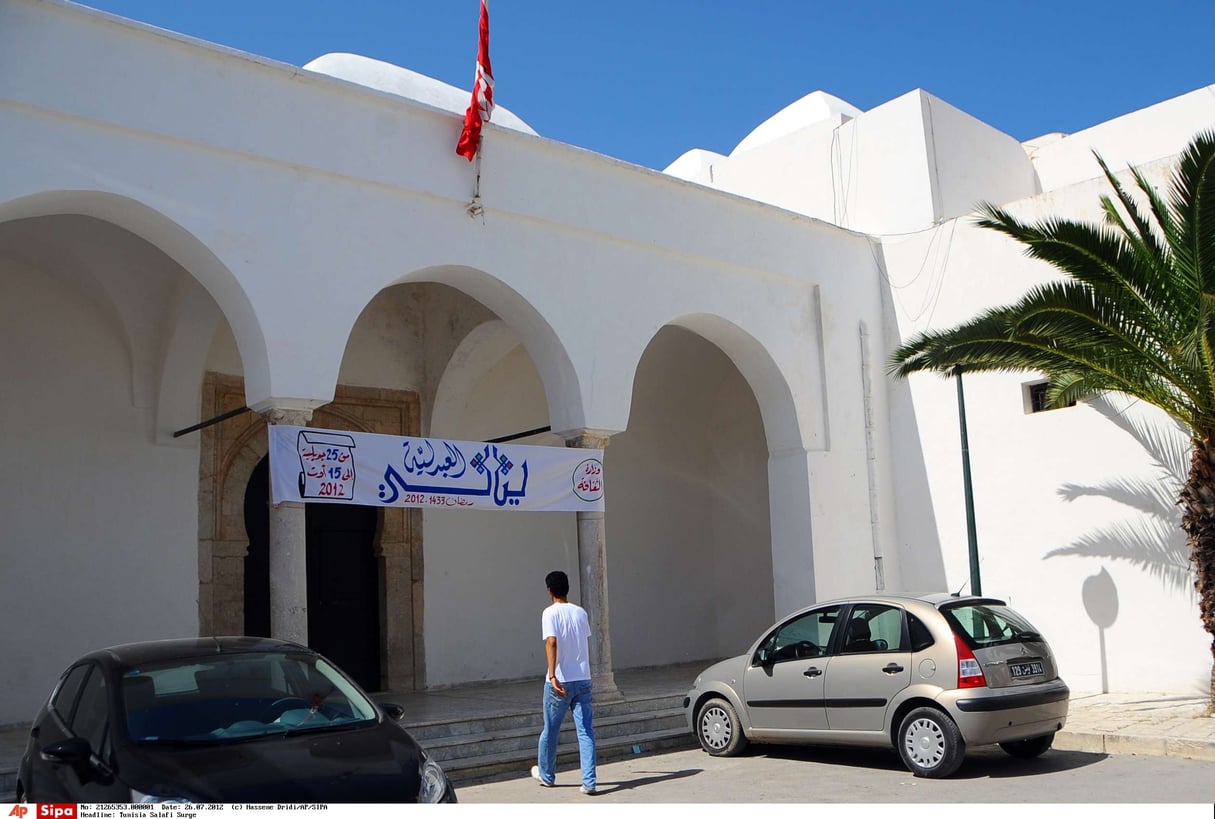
(482, 105)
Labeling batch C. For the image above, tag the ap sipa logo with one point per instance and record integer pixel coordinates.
(19, 811)
(56, 811)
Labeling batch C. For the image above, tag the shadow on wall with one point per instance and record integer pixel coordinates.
(1153, 541)
(1100, 596)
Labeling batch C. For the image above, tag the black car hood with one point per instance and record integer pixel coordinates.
(377, 763)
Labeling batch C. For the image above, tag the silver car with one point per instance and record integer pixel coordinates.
(927, 675)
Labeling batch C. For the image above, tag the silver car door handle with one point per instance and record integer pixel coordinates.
(812, 671)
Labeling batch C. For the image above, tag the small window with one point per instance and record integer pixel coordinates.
(1034, 397)
(873, 627)
(92, 716)
(64, 699)
(806, 636)
(921, 637)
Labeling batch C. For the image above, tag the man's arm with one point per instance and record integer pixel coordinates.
(550, 651)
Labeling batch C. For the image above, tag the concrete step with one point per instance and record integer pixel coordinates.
(526, 736)
(486, 749)
(483, 768)
(425, 732)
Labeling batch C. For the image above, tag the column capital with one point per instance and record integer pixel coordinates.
(286, 415)
(586, 438)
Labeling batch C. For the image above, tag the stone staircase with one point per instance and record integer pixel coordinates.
(484, 748)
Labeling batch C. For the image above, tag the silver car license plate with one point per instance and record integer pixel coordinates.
(1019, 670)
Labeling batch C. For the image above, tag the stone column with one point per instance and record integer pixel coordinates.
(288, 552)
(592, 569)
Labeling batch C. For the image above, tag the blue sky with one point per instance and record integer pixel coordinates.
(645, 80)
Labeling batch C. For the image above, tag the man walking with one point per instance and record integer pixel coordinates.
(566, 633)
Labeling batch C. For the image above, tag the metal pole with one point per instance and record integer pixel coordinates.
(972, 540)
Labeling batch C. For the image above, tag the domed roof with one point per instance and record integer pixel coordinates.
(816, 106)
(392, 79)
(693, 165)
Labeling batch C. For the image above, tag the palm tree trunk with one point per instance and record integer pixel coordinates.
(1198, 520)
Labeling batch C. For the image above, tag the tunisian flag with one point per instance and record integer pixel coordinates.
(482, 105)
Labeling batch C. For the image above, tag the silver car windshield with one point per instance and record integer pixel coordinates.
(237, 697)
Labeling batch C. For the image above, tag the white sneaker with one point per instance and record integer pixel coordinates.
(536, 776)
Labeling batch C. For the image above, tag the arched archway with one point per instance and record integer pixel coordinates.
(689, 539)
(388, 542)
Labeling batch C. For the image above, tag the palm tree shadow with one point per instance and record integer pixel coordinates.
(1153, 541)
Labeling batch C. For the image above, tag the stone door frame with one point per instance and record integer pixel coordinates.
(228, 453)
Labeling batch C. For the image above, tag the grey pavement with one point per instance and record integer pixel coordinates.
(806, 775)
(1157, 725)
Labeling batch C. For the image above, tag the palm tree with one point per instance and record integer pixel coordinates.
(1134, 313)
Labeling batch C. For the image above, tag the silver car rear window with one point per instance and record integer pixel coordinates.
(988, 624)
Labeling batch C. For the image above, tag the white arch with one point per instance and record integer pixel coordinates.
(534, 332)
(477, 353)
(777, 407)
(174, 241)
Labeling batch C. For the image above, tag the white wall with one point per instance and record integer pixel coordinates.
(1020, 465)
(899, 167)
(689, 545)
(100, 541)
(1140, 137)
(484, 571)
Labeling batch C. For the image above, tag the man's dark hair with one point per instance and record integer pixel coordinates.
(558, 584)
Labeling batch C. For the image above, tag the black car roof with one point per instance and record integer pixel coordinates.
(159, 650)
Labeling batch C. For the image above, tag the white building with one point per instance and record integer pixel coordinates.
(187, 230)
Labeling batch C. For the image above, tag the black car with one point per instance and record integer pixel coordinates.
(220, 719)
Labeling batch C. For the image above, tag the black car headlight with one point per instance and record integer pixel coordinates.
(434, 782)
(141, 798)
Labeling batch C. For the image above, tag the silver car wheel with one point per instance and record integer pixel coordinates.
(930, 743)
(925, 743)
(716, 728)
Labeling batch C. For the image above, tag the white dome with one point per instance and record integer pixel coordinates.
(815, 107)
(693, 165)
(392, 79)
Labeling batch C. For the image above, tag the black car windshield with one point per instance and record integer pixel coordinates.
(237, 697)
(988, 624)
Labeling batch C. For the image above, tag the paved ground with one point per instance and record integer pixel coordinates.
(776, 775)
(1143, 725)
(1115, 748)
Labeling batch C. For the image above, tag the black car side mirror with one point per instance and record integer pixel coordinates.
(68, 752)
(393, 710)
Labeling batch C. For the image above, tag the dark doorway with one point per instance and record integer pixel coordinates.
(257, 562)
(343, 579)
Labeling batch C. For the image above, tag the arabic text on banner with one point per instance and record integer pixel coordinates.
(337, 466)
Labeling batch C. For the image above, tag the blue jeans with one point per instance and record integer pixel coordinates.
(577, 699)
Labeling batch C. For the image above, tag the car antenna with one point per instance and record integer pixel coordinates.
(958, 593)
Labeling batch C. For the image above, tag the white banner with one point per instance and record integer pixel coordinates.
(327, 466)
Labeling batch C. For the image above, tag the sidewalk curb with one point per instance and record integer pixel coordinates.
(1101, 743)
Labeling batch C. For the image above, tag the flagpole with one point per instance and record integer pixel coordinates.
(474, 208)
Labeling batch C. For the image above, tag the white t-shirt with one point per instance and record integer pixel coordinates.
(568, 623)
